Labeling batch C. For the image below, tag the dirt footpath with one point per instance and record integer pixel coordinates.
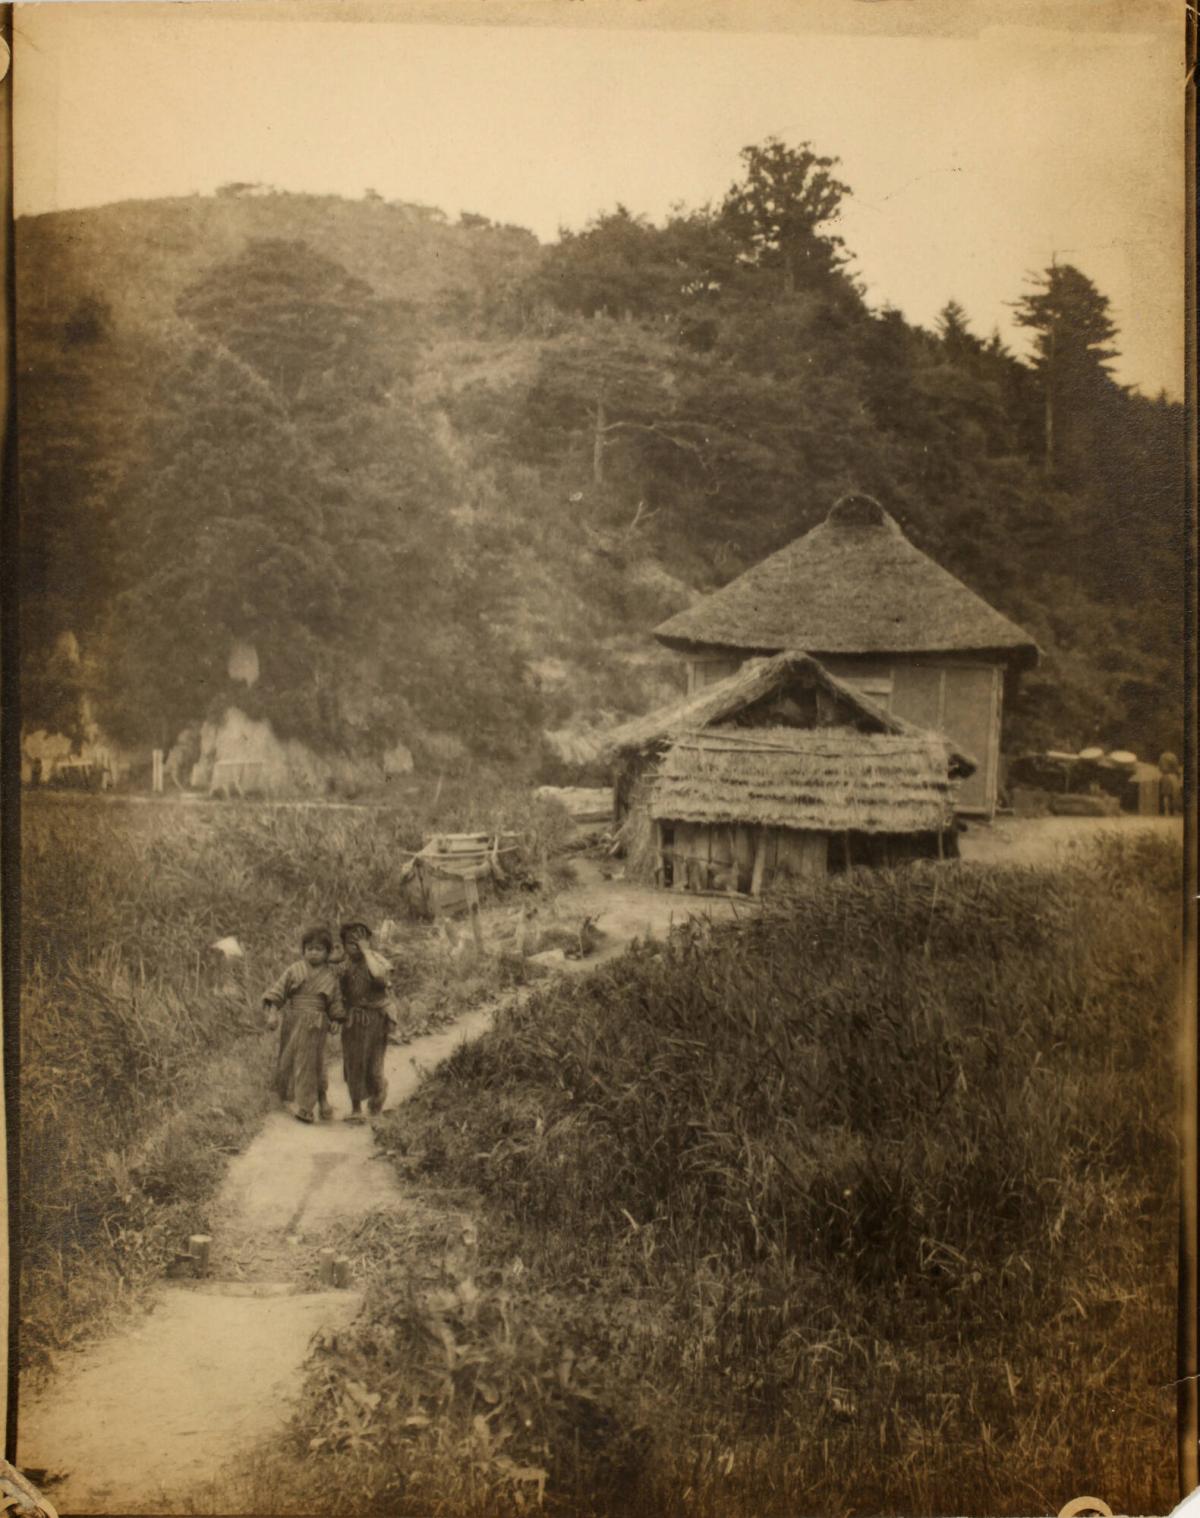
(150, 1419)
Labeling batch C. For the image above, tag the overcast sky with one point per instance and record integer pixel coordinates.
(975, 154)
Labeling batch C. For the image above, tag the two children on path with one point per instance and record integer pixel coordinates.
(317, 995)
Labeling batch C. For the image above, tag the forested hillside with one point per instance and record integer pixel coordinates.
(445, 480)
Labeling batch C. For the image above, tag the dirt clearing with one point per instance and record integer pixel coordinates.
(1043, 840)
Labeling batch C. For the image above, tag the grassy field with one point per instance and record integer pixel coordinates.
(865, 1207)
(143, 1062)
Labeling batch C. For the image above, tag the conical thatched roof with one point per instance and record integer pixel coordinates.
(757, 680)
(813, 780)
(853, 585)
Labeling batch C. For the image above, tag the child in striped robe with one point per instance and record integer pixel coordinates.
(306, 1003)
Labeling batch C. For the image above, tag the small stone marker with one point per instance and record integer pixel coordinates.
(326, 1266)
(198, 1247)
(341, 1271)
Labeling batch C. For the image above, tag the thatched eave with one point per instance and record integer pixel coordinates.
(757, 680)
(832, 780)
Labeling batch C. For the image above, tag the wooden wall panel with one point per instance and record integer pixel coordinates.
(683, 849)
(722, 874)
(972, 717)
(917, 695)
(801, 855)
(743, 848)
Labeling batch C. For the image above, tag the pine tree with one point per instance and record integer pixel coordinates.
(1072, 355)
(955, 332)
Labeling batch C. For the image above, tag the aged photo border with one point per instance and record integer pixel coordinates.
(594, 13)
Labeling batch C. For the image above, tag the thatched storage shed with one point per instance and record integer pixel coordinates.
(878, 613)
(743, 809)
(779, 769)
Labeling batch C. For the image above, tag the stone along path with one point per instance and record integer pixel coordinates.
(152, 1417)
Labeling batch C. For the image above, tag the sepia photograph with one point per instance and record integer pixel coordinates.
(602, 903)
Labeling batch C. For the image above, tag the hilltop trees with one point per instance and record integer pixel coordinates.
(780, 210)
(400, 510)
(625, 267)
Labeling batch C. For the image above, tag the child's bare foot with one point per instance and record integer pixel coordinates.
(355, 1114)
(303, 1117)
(325, 1111)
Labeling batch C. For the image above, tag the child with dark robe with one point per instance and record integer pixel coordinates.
(370, 1014)
(306, 1004)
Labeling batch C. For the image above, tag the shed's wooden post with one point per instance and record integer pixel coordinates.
(679, 872)
(760, 862)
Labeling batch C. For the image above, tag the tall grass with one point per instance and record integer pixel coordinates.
(868, 1205)
(142, 1059)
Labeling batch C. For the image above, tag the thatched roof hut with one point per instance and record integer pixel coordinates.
(880, 614)
(853, 585)
(778, 771)
(831, 780)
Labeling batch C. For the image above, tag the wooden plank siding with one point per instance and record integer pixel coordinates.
(971, 716)
(702, 673)
(738, 857)
(743, 851)
(955, 695)
(722, 871)
(800, 855)
(681, 852)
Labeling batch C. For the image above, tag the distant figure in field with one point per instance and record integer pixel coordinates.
(370, 1013)
(305, 1003)
(1170, 785)
(183, 758)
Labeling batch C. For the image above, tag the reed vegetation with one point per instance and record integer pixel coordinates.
(868, 1205)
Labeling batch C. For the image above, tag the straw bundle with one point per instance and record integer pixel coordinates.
(636, 835)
